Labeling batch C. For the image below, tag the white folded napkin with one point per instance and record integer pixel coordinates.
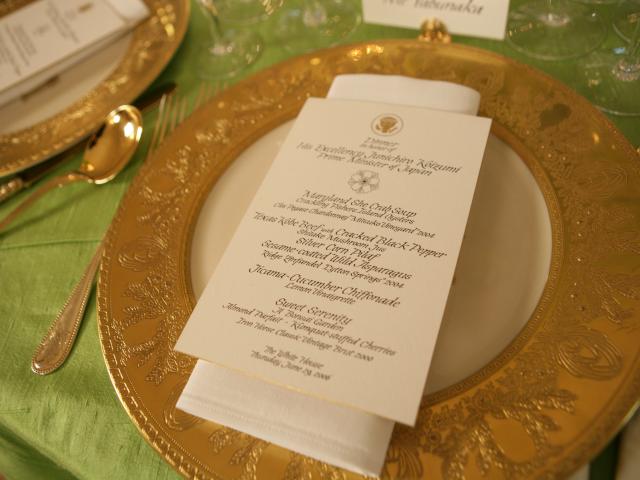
(337, 435)
(126, 13)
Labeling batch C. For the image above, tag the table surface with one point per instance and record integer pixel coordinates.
(70, 424)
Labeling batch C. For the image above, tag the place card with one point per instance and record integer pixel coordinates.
(45, 37)
(336, 279)
(476, 18)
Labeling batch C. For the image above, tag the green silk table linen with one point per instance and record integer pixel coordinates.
(70, 424)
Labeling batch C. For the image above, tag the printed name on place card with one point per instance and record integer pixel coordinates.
(476, 18)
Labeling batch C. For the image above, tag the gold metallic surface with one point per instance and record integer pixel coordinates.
(541, 409)
(153, 44)
(10, 188)
(434, 31)
(56, 345)
(107, 152)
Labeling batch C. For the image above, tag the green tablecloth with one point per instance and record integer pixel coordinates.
(71, 424)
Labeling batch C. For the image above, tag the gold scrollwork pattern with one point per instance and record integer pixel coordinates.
(153, 43)
(516, 417)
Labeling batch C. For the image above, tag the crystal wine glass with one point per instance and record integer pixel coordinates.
(246, 12)
(611, 78)
(230, 48)
(555, 29)
(305, 25)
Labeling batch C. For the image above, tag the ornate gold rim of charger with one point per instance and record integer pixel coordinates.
(153, 44)
(542, 408)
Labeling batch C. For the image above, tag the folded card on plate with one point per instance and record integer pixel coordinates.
(335, 282)
(44, 38)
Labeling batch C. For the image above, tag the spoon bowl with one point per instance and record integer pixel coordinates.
(112, 146)
(107, 152)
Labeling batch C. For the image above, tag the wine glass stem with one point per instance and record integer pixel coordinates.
(634, 42)
(314, 14)
(215, 29)
(554, 16)
(628, 68)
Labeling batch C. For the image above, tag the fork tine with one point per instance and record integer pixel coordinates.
(174, 114)
(222, 87)
(164, 121)
(200, 96)
(182, 111)
(211, 88)
(206, 92)
(175, 108)
(171, 121)
(156, 128)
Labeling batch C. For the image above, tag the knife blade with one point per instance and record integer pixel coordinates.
(29, 176)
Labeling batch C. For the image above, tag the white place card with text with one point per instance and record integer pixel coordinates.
(336, 279)
(476, 18)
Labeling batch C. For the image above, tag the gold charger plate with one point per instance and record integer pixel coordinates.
(152, 45)
(542, 408)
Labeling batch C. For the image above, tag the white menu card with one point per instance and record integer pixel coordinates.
(337, 277)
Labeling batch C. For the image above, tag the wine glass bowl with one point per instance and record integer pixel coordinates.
(305, 25)
(246, 12)
(626, 19)
(232, 46)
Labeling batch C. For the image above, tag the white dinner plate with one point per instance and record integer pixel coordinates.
(502, 269)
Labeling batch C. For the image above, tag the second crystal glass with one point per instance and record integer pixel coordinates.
(246, 12)
(611, 78)
(555, 29)
(230, 49)
(306, 25)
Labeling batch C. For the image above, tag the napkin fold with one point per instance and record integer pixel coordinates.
(129, 13)
(341, 436)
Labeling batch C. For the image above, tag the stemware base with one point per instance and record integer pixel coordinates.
(230, 53)
(611, 78)
(610, 81)
(556, 30)
(308, 25)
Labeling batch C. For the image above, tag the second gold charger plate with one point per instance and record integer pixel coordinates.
(73, 104)
(537, 364)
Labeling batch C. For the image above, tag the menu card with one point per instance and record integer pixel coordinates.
(336, 279)
(46, 37)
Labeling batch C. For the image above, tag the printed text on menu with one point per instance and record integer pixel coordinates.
(336, 279)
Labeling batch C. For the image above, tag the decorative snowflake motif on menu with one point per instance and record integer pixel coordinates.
(364, 181)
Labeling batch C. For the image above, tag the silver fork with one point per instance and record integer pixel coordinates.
(56, 345)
